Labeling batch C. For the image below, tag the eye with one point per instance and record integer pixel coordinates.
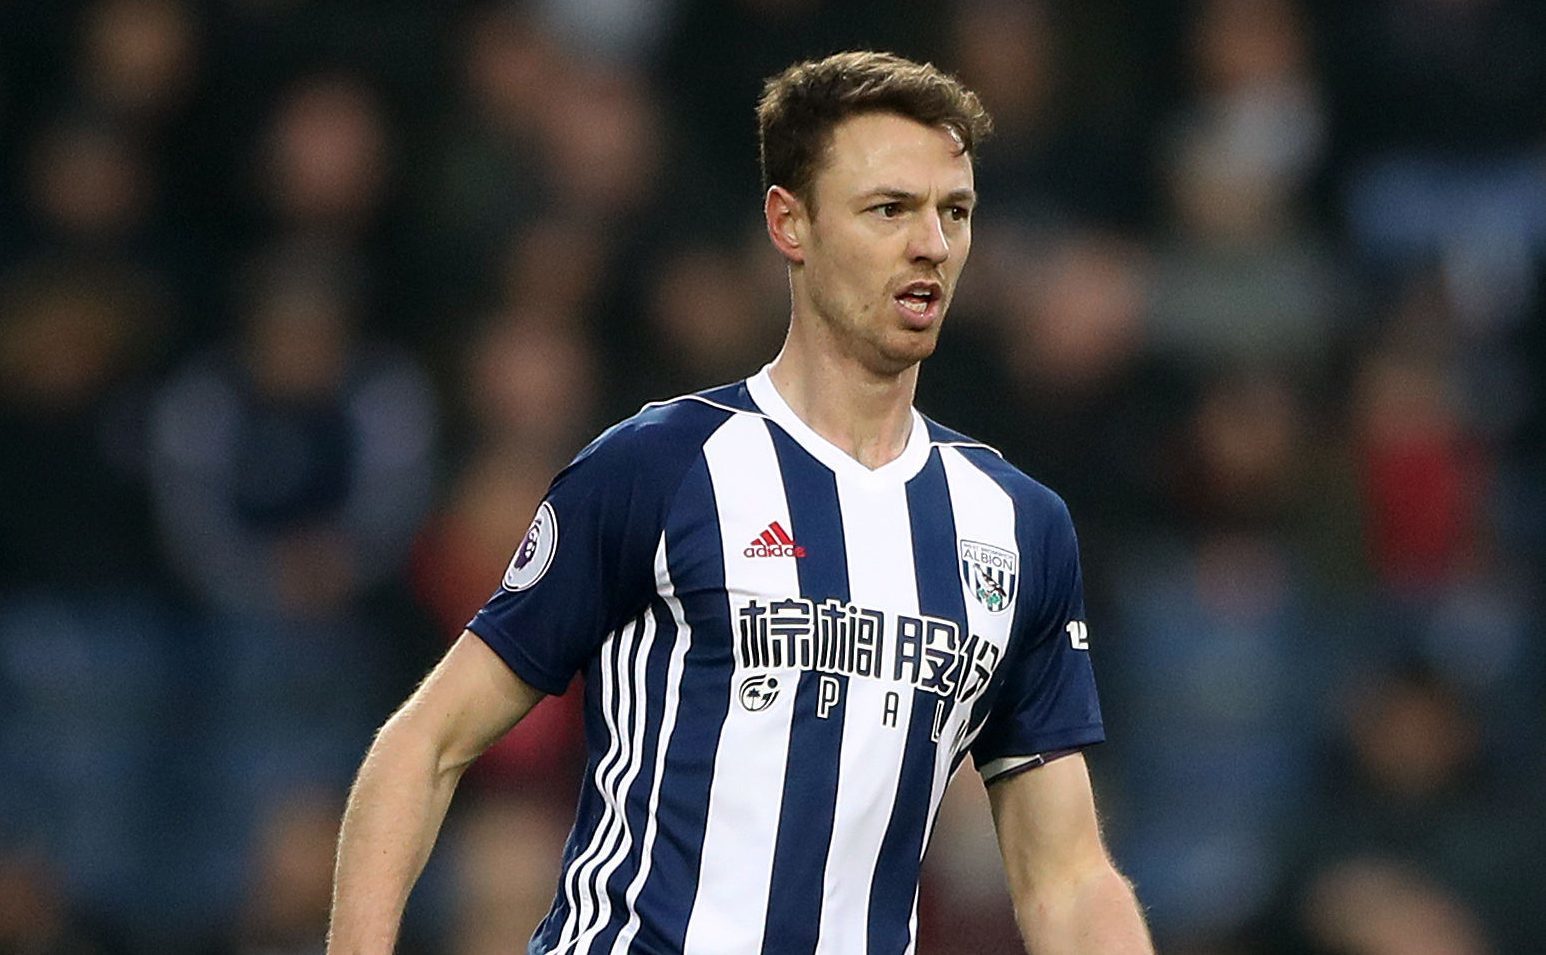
(887, 210)
(958, 213)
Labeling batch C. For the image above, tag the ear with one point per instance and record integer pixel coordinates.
(785, 215)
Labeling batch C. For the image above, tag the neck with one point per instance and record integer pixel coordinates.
(866, 414)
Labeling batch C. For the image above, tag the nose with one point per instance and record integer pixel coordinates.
(928, 243)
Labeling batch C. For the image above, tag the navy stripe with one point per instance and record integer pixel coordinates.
(694, 551)
(815, 744)
(656, 670)
(894, 890)
(734, 395)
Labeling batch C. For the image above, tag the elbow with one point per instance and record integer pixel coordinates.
(409, 738)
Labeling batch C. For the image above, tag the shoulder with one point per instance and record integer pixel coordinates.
(657, 444)
(1040, 510)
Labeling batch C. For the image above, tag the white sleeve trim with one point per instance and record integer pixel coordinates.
(998, 767)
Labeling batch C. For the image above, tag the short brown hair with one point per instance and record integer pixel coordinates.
(800, 107)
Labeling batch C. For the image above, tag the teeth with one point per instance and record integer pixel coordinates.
(919, 305)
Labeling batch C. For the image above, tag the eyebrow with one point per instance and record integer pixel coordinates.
(903, 195)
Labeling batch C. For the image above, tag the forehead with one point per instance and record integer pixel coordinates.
(885, 149)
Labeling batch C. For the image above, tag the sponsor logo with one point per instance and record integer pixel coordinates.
(535, 555)
(758, 692)
(774, 542)
(928, 653)
(991, 574)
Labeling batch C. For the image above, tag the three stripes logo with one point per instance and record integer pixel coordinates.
(774, 542)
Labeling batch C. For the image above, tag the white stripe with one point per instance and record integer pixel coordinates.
(741, 832)
(582, 907)
(878, 534)
(617, 799)
(999, 767)
(667, 590)
(967, 444)
(702, 400)
(985, 513)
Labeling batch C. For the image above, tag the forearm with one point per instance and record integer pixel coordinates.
(1096, 914)
(395, 810)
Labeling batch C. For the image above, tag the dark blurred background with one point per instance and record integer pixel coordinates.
(302, 302)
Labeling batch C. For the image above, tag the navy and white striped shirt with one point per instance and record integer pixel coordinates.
(786, 656)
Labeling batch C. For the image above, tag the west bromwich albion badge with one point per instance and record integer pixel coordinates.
(990, 574)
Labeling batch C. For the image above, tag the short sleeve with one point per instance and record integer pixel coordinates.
(584, 568)
(1048, 701)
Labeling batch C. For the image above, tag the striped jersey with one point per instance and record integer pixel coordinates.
(786, 656)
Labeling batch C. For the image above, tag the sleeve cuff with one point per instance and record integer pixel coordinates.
(516, 659)
(1038, 751)
(1009, 766)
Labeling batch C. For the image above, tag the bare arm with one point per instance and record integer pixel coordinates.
(400, 797)
(1068, 896)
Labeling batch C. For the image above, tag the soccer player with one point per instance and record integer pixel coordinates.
(798, 605)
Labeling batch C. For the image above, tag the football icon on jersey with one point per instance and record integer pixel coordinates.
(759, 692)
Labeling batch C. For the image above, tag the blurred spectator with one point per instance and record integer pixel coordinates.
(138, 59)
(1447, 77)
(77, 344)
(89, 722)
(1080, 380)
(506, 851)
(567, 296)
(1374, 907)
(291, 468)
(1242, 467)
(35, 916)
(290, 885)
(609, 30)
(530, 383)
(1396, 853)
(1215, 694)
(1243, 278)
(601, 133)
(1422, 473)
(89, 189)
(1440, 106)
(1054, 158)
(711, 317)
(488, 178)
(325, 166)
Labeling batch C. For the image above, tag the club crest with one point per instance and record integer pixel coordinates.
(991, 574)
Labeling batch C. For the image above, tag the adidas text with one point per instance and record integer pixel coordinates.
(774, 550)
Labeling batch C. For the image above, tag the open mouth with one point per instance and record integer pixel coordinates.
(920, 297)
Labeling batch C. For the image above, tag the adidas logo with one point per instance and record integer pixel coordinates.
(774, 542)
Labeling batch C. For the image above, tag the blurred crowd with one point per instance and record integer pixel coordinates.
(302, 302)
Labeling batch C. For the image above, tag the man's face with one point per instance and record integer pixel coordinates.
(890, 232)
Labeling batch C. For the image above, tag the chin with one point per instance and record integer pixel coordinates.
(900, 356)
